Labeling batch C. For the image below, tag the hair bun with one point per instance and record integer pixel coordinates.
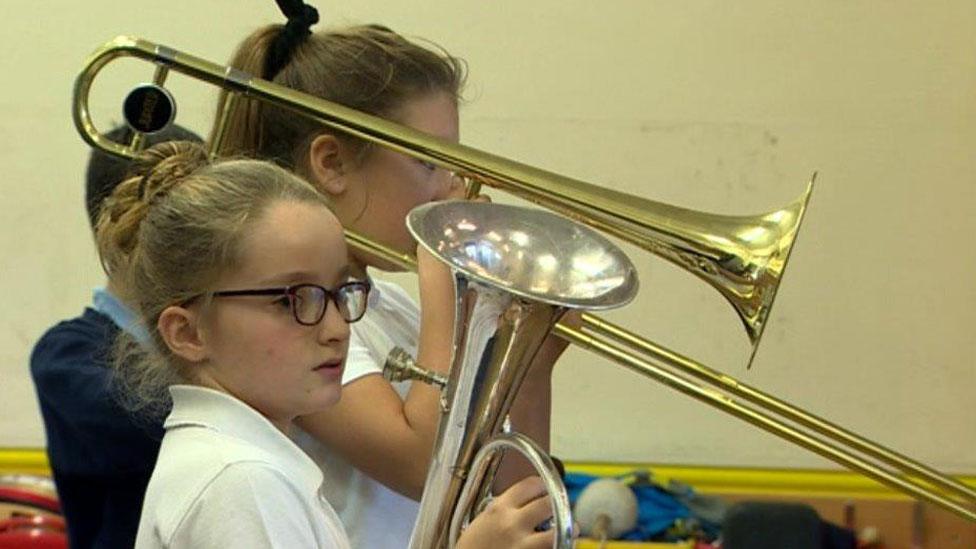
(163, 166)
(153, 173)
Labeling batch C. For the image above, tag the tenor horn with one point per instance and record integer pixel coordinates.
(516, 272)
(743, 257)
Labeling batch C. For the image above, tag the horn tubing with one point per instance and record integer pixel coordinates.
(562, 520)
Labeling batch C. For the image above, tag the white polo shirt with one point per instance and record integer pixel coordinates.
(374, 516)
(227, 477)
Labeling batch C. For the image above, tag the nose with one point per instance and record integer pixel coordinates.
(333, 327)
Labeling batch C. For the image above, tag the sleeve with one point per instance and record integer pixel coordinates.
(395, 322)
(88, 431)
(251, 505)
(359, 360)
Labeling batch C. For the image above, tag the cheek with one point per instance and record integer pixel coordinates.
(406, 195)
(254, 336)
(410, 183)
(390, 208)
(253, 356)
(269, 351)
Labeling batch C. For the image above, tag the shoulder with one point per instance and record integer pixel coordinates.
(391, 293)
(86, 337)
(89, 323)
(250, 501)
(254, 482)
(197, 466)
(391, 310)
(392, 319)
(203, 454)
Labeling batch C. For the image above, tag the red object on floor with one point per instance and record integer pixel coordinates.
(33, 532)
(25, 495)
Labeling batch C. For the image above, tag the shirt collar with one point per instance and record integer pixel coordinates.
(104, 302)
(221, 412)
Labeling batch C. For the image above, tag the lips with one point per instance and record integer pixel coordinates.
(329, 365)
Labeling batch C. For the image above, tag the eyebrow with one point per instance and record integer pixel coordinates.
(303, 276)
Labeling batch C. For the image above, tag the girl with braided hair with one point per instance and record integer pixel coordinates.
(238, 269)
(375, 445)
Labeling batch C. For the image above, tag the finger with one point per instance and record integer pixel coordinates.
(522, 492)
(538, 540)
(456, 193)
(573, 317)
(535, 512)
(457, 188)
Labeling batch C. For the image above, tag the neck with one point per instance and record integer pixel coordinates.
(114, 289)
(282, 424)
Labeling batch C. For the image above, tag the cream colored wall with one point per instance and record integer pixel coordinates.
(720, 106)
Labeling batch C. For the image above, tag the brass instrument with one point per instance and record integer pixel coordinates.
(743, 257)
(516, 272)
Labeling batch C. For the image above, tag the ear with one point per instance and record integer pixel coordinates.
(326, 164)
(180, 329)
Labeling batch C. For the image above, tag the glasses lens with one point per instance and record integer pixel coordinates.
(309, 304)
(351, 299)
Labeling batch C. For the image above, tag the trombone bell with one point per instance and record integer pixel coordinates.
(743, 257)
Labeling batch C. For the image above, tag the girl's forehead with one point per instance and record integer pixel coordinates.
(293, 237)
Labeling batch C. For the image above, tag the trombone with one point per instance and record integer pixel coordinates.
(742, 257)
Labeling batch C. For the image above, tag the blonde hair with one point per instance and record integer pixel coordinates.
(369, 68)
(167, 234)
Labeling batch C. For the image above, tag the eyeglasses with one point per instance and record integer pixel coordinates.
(309, 301)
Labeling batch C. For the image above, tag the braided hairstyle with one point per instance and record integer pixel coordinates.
(105, 171)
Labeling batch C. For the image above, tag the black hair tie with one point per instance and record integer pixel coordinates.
(301, 17)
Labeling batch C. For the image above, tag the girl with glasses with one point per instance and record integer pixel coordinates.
(376, 476)
(239, 271)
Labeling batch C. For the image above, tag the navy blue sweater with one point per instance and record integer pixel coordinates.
(101, 456)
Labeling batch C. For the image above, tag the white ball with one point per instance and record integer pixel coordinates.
(608, 497)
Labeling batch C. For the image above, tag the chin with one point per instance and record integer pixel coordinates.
(320, 400)
(327, 398)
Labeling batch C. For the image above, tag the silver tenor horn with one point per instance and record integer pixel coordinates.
(516, 272)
